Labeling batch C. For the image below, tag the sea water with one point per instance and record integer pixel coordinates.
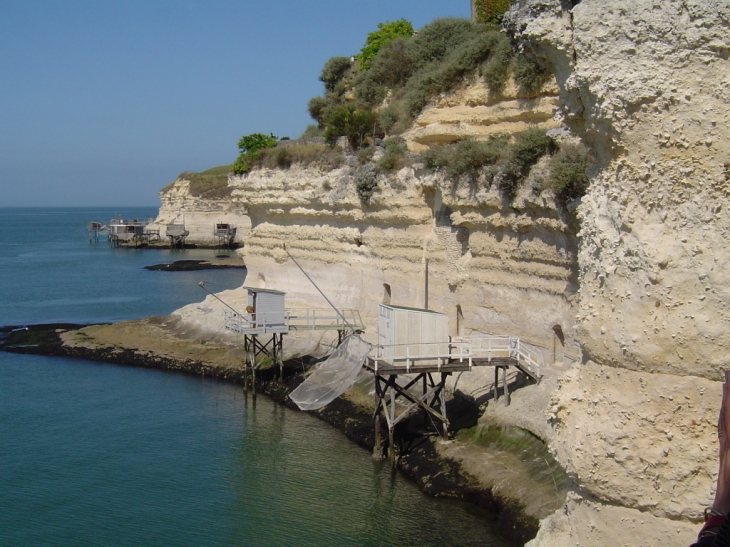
(98, 454)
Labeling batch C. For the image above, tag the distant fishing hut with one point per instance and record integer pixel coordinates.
(95, 230)
(130, 232)
(177, 234)
(225, 234)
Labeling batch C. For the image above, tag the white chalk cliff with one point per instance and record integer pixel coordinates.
(639, 289)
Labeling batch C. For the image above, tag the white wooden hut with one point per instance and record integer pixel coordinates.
(412, 332)
(266, 309)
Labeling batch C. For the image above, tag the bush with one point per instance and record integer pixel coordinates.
(491, 11)
(529, 74)
(364, 155)
(311, 132)
(316, 107)
(394, 156)
(466, 157)
(437, 39)
(568, 177)
(387, 32)
(358, 125)
(451, 70)
(528, 148)
(366, 183)
(496, 71)
(333, 71)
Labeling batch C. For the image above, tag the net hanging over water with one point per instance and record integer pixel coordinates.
(332, 377)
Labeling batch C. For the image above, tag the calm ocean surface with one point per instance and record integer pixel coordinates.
(103, 455)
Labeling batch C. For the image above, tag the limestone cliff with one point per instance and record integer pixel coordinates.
(645, 84)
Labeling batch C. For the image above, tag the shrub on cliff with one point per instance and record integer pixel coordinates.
(358, 125)
(568, 177)
(491, 11)
(333, 71)
(394, 156)
(366, 182)
(466, 157)
(528, 148)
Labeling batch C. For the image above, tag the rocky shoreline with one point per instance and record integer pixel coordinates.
(420, 458)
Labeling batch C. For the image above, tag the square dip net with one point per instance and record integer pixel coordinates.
(334, 376)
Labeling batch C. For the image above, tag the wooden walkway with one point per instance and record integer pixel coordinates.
(428, 366)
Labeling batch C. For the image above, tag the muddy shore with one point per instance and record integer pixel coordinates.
(162, 343)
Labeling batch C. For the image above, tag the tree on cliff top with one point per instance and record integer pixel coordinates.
(248, 146)
(387, 32)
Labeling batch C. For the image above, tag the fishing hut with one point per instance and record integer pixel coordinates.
(177, 234)
(266, 321)
(415, 343)
(224, 234)
(130, 232)
(96, 229)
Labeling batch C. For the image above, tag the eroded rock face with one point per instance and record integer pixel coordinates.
(199, 215)
(646, 85)
(490, 267)
(473, 112)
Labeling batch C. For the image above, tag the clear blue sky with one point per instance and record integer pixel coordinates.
(104, 102)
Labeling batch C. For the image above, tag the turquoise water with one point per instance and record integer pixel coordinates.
(97, 454)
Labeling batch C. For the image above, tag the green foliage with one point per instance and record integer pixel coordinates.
(496, 71)
(317, 107)
(529, 74)
(491, 11)
(444, 75)
(333, 71)
(466, 157)
(210, 184)
(366, 182)
(364, 155)
(358, 125)
(249, 146)
(437, 39)
(568, 177)
(528, 148)
(394, 156)
(311, 132)
(387, 32)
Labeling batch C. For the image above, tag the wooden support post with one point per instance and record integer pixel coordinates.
(506, 387)
(442, 401)
(496, 383)
(391, 427)
(378, 444)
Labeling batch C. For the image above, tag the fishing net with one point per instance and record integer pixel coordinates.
(332, 377)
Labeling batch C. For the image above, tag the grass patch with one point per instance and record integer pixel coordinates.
(283, 157)
(209, 184)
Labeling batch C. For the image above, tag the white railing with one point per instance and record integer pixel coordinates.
(431, 353)
(461, 350)
(319, 319)
(511, 347)
(247, 323)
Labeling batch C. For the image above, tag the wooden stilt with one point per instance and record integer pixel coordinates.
(496, 383)
(506, 387)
